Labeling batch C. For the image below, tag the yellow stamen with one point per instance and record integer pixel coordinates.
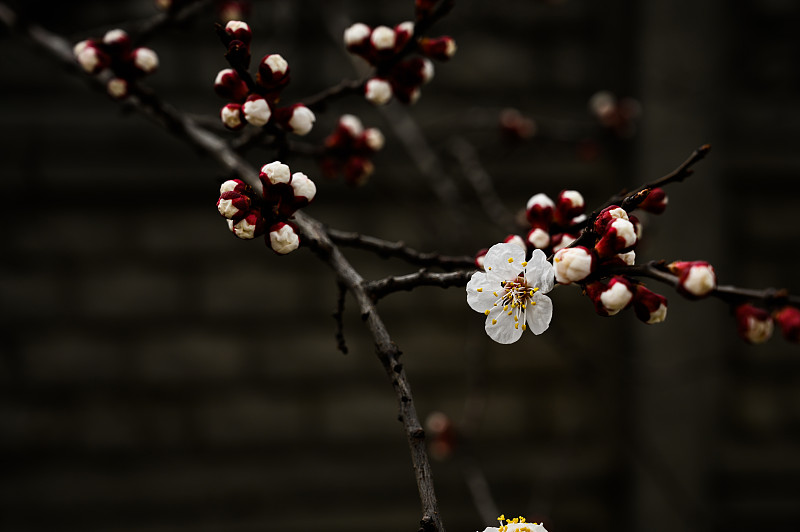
(494, 322)
(536, 289)
(480, 289)
(516, 325)
(486, 312)
(533, 302)
(516, 318)
(505, 307)
(495, 294)
(510, 260)
(524, 263)
(524, 326)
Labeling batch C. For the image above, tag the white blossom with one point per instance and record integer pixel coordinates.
(510, 292)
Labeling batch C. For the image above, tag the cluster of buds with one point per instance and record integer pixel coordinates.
(115, 53)
(621, 293)
(251, 101)
(349, 149)
(250, 215)
(386, 48)
(755, 325)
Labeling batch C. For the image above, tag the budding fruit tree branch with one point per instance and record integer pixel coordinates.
(315, 235)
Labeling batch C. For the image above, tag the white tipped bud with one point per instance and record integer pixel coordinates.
(541, 200)
(302, 120)
(352, 124)
(276, 63)
(378, 91)
(383, 38)
(572, 264)
(427, 70)
(145, 59)
(356, 34)
(374, 139)
(283, 239)
(539, 238)
(257, 111)
(276, 172)
(303, 186)
(117, 88)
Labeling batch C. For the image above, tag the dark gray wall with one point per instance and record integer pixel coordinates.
(158, 374)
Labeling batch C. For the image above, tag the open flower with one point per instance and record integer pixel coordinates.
(517, 524)
(510, 292)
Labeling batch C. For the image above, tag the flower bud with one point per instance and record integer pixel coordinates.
(440, 48)
(539, 210)
(573, 264)
(117, 88)
(283, 238)
(607, 216)
(403, 33)
(649, 307)
(620, 236)
(238, 54)
(357, 170)
(696, 279)
(569, 204)
(298, 118)
(383, 39)
(230, 86)
(788, 319)
(275, 173)
(516, 240)
(231, 116)
(117, 42)
(256, 110)
(515, 126)
(610, 298)
(234, 185)
(423, 8)
(356, 38)
(560, 241)
(249, 227)
(442, 435)
(753, 324)
(91, 58)
(351, 124)
(145, 60)
(238, 30)
(378, 91)
(538, 238)
(655, 202)
(233, 205)
(407, 94)
(304, 189)
(273, 71)
(373, 139)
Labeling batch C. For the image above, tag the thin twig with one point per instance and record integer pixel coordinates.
(386, 249)
(163, 20)
(396, 283)
(341, 345)
(319, 101)
(769, 297)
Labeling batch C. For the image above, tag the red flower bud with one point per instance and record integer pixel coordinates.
(649, 306)
(403, 33)
(232, 116)
(479, 257)
(789, 320)
(696, 279)
(145, 60)
(655, 202)
(230, 86)
(569, 204)
(249, 226)
(233, 205)
(620, 237)
(256, 110)
(753, 324)
(607, 216)
(539, 210)
(283, 238)
(117, 42)
(273, 72)
(610, 298)
(440, 48)
(238, 30)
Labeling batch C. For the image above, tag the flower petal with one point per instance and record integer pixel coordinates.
(539, 315)
(480, 296)
(502, 330)
(540, 272)
(504, 261)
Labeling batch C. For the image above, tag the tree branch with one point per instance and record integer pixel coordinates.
(386, 249)
(316, 238)
(395, 283)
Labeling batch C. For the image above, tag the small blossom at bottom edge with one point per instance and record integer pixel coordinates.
(510, 292)
(517, 524)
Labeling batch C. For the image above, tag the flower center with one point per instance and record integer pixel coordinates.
(516, 296)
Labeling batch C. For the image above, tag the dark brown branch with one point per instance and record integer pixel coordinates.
(630, 200)
(317, 239)
(396, 283)
(319, 101)
(386, 249)
(341, 345)
(769, 297)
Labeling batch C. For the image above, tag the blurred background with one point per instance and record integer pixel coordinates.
(158, 374)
